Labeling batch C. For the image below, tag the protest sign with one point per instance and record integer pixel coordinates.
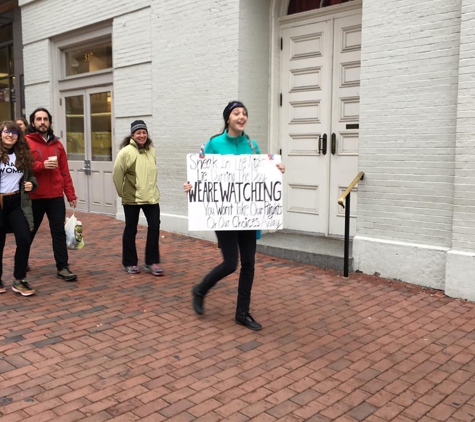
(234, 192)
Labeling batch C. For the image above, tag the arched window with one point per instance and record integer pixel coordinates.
(297, 6)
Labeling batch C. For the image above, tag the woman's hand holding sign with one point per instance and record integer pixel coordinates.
(281, 167)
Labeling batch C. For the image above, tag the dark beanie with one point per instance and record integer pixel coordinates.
(230, 107)
(136, 125)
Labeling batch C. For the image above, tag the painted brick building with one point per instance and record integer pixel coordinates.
(377, 86)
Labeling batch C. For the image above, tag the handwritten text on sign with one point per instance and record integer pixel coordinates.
(234, 192)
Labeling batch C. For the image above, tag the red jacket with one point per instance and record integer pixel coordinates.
(51, 183)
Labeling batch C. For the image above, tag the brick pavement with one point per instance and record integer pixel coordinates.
(119, 347)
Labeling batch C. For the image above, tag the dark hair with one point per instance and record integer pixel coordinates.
(226, 113)
(24, 159)
(229, 108)
(31, 128)
(25, 122)
(128, 138)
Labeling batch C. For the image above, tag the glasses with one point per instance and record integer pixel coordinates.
(10, 132)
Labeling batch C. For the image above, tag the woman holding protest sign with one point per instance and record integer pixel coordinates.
(233, 140)
(135, 179)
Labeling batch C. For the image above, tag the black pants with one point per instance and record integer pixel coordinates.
(55, 210)
(232, 242)
(129, 249)
(14, 218)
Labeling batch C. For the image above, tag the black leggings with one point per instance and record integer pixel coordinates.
(230, 243)
(14, 216)
(129, 249)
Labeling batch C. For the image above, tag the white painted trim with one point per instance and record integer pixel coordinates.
(460, 275)
(423, 265)
(83, 35)
(462, 253)
(404, 244)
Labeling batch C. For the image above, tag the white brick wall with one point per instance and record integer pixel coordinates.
(195, 73)
(37, 68)
(464, 197)
(177, 64)
(460, 270)
(408, 119)
(49, 18)
(133, 90)
(38, 95)
(254, 67)
(132, 34)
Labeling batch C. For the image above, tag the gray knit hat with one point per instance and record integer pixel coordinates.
(136, 125)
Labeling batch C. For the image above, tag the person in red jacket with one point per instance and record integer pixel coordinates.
(51, 170)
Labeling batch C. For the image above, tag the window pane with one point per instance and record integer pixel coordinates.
(75, 127)
(5, 107)
(4, 62)
(101, 128)
(297, 6)
(89, 59)
(6, 33)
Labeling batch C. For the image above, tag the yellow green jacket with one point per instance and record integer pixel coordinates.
(135, 175)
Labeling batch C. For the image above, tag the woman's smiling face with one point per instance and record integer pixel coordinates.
(140, 137)
(9, 137)
(237, 121)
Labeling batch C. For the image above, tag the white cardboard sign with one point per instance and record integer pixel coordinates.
(234, 192)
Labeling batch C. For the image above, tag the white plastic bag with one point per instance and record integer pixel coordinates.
(73, 229)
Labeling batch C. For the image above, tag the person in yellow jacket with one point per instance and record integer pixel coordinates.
(135, 179)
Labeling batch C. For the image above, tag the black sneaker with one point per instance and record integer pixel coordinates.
(22, 287)
(2, 287)
(66, 274)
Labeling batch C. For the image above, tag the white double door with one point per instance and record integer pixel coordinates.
(320, 64)
(87, 133)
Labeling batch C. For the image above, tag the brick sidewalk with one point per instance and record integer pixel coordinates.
(117, 347)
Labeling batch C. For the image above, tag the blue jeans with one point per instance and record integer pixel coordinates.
(129, 249)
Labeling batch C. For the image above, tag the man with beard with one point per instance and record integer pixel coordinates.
(54, 181)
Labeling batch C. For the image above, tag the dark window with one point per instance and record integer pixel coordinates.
(7, 78)
(297, 6)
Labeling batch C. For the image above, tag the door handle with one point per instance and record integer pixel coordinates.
(333, 143)
(87, 167)
(322, 144)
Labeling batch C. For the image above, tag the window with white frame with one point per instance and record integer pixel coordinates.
(88, 58)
